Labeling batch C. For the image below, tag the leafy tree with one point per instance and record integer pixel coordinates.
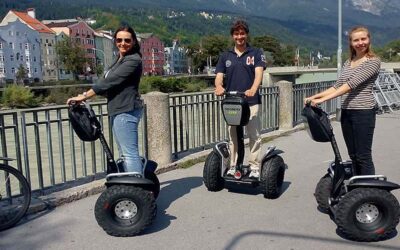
(209, 47)
(281, 55)
(21, 74)
(16, 96)
(98, 69)
(390, 52)
(71, 56)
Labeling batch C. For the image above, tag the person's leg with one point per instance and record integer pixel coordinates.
(125, 130)
(253, 131)
(346, 122)
(364, 126)
(233, 145)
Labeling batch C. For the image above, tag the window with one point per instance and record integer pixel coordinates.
(26, 45)
(20, 46)
(13, 70)
(27, 58)
(17, 33)
(1, 58)
(2, 70)
(35, 70)
(34, 58)
(11, 45)
(1, 45)
(12, 58)
(33, 46)
(10, 33)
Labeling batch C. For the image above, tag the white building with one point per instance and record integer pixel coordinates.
(47, 40)
(105, 49)
(176, 61)
(19, 45)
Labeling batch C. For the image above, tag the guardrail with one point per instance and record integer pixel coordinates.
(49, 153)
(197, 121)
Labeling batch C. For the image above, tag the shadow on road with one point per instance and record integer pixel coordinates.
(248, 189)
(171, 191)
(233, 244)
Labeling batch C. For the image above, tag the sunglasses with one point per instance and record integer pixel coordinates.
(126, 40)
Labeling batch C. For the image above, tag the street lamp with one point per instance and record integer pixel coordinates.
(339, 56)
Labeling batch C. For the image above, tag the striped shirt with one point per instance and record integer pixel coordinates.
(361, 81)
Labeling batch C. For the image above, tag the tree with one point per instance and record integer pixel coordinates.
(209, 47)
(98, 69)
(21, 74)
(72, 56)
(279, 53)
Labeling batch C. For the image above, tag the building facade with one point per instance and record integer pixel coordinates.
(48, 56)
(82, 34)
(152, 49)
(175, 59)
(105, 50)
(19, 47)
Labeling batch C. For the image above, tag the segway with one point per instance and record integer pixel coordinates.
(362, 206)
(236, 112)
(128, 204)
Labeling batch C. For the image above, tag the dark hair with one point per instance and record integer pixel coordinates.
(136, 46)
(370, 53)
(239, 24)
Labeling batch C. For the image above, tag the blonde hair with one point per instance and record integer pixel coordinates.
(370, 53)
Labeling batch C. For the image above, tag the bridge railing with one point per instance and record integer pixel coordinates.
(301, 91)
(197, 121)
(47, 149)
(49, 153)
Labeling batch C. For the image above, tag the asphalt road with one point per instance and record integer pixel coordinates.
(190, 217)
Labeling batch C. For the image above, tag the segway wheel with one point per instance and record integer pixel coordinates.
(272, 175)
(156, 187)
(212, 173)
(367, 214)
(323, 192)
(125, 210)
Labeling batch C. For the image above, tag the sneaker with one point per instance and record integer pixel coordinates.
(254, 174)
(231, 171)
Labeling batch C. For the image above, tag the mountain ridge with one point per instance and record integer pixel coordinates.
(312, 22)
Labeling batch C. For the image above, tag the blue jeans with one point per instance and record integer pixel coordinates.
(358, 131)
(125, 131)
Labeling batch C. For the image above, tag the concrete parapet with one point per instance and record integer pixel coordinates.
(158, 127)
(285, 104)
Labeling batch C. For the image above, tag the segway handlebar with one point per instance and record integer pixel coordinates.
(234, 93)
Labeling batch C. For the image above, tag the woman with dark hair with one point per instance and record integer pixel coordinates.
(121, 87)
(358, 103)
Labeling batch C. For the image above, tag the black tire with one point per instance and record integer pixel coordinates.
(272, 175)
(383, 209)
(120, 195)
(156, 187)
(13, 208)
(323, 192)
(212, 173)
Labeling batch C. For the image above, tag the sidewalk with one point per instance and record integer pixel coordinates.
(238, 217)
(74, 193)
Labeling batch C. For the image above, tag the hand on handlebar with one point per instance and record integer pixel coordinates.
(312, 102)
(250, 93)
(76, 100)
(219, 90)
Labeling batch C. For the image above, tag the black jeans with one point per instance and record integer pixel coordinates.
(358, 131)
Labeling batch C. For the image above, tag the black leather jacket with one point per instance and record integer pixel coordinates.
(121, 84)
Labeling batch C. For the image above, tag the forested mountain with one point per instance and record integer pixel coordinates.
(308, 23)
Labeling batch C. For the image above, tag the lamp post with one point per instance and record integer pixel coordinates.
(339, 56)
